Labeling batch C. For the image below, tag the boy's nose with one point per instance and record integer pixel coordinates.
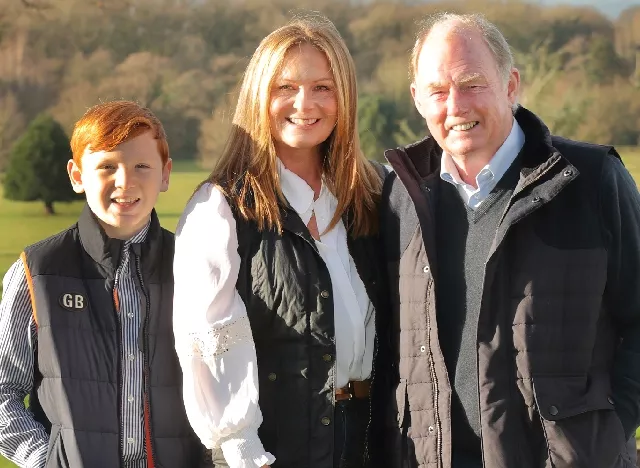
(123, 178)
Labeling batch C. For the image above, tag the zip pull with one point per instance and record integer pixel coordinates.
(116, 297)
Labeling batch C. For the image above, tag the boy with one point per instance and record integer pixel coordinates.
(86, 315)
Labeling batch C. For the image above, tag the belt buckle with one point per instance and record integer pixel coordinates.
(352, 390)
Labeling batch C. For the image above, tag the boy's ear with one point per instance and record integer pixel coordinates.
(166, 172)
(75, 176)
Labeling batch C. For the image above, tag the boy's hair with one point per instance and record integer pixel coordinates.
(105, 126)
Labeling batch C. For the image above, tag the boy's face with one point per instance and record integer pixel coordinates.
(122, 185)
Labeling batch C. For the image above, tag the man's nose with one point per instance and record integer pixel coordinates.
(456, 102)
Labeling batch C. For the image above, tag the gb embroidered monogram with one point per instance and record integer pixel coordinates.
(72, 302)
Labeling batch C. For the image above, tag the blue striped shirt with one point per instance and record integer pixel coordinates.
(22, 439)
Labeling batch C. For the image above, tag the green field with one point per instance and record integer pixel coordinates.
(24, 223)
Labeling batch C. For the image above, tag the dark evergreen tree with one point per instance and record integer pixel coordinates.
(37, 165)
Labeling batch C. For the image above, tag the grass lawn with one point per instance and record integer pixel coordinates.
(22, 224)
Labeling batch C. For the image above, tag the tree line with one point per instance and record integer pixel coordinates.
(184, 58)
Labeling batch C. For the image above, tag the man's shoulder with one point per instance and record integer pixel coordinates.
(584, 147)
(588, 158)
(582, 152)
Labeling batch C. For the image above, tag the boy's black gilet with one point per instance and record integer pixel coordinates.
(77, 380)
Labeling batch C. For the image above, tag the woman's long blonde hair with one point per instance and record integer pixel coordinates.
(247, 171)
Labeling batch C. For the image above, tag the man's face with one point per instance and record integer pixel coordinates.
(459, 91)
(122, 185)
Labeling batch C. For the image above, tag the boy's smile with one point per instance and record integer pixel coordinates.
(122, 185)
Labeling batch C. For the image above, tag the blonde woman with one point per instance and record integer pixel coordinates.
(275, 267)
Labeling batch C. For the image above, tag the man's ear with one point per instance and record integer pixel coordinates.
(416, 101)
(75, 176)
(166, 173)
(513, 86)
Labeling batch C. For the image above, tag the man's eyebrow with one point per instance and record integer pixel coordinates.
(463, 80)
(472, 78)
(436, 85)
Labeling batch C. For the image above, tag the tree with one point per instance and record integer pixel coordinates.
(214, 132)
(11, 126)
(377, 119)
(37, 165)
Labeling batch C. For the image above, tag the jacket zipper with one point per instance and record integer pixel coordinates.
(434, 379)
(116, 307)
(149, 445)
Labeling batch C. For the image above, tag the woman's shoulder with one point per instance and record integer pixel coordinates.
(207, 208)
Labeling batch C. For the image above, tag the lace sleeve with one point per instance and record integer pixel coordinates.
(218, 340)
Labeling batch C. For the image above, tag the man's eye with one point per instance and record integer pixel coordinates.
(142, 166)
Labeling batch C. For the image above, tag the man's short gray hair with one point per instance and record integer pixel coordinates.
(491, 34)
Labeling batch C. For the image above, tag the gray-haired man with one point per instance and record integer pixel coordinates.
(514, 260)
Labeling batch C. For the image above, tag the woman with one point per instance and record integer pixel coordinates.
(275, 266)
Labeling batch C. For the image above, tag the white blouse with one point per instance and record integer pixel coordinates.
(212, 332)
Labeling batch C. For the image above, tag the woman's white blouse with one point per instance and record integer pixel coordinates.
(212, 332)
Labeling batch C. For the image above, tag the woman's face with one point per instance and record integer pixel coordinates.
(303, 108)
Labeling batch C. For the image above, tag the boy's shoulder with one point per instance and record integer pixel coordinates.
(55, 242)
(167, 234)
(53, 250)
(168, 240)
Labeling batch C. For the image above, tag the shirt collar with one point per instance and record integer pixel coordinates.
(297, 192)
(140, 237)
(490, 174)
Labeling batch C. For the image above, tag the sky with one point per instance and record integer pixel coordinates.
(611, 8)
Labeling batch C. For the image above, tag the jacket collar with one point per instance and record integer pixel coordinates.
(422, 159)
(107, 251)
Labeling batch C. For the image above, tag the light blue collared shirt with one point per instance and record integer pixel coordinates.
(489, 175)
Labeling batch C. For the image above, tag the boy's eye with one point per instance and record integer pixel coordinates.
(143, 166)
(108, 167)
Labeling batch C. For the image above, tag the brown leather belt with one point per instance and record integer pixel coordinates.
(354, 389)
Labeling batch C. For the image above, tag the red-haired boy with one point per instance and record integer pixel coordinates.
(86, 315)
